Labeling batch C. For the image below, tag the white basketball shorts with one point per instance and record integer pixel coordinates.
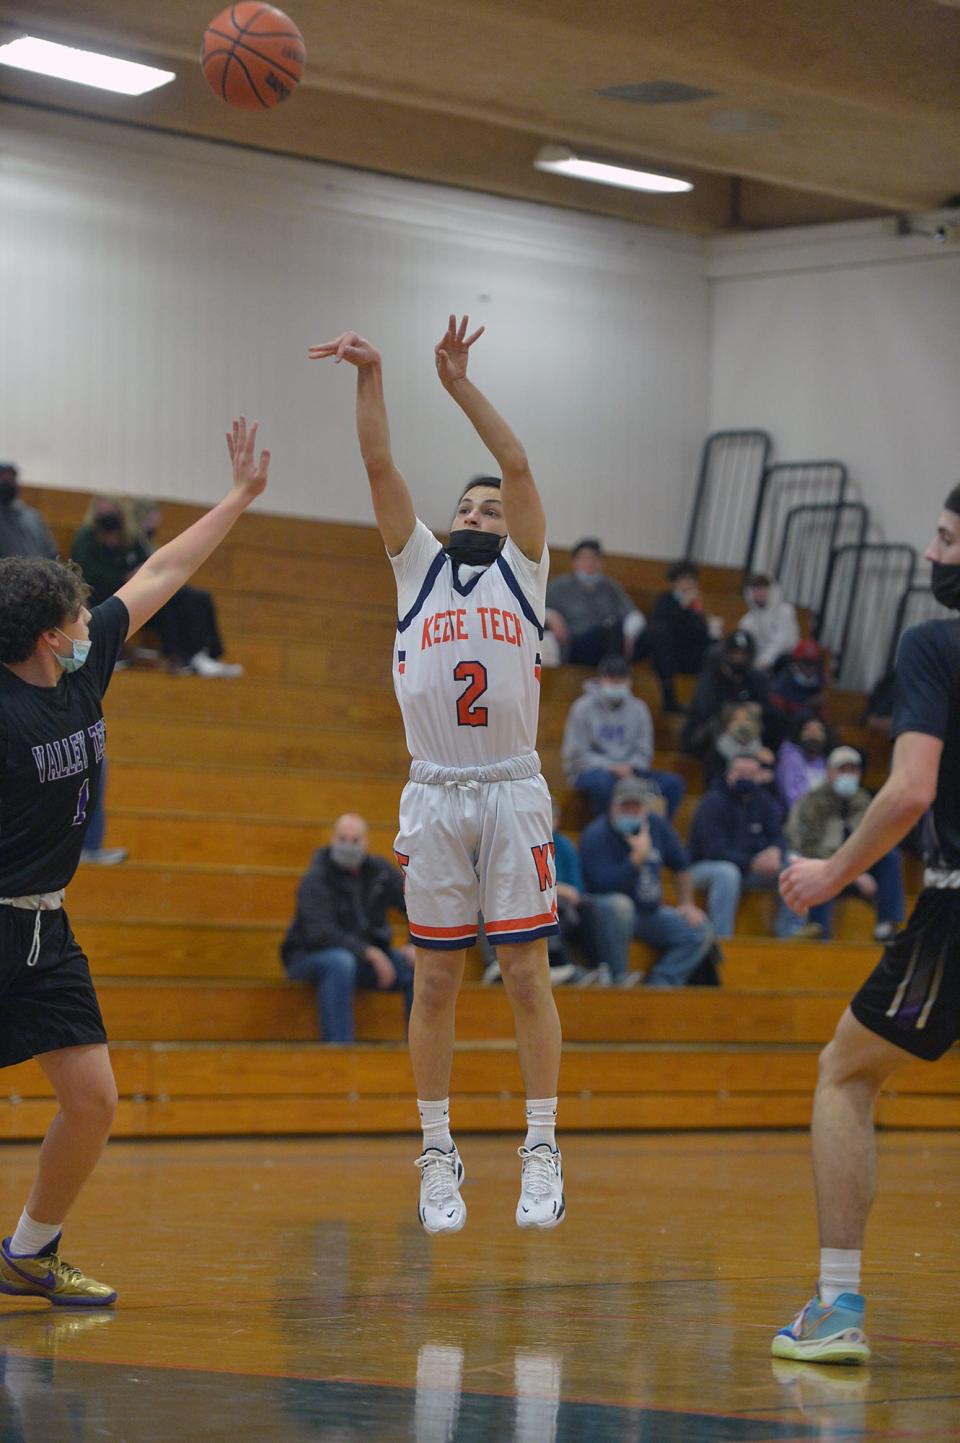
(468, 845)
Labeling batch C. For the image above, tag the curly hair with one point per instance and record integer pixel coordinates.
(36, 595)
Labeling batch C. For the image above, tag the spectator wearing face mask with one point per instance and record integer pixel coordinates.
(797, 689)
(590, 615)
(802, 760)
(771, 621)
(609, 735)
(739, 733)
(624, 853)
(109, 548)
(23, 531)
(340, 937)
(679, 635)
(821, 822)
(730, 678)
(737, 844)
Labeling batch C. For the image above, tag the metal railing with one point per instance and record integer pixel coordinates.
(811, 534)
(723, 517)
(782, 489)
(862, 598)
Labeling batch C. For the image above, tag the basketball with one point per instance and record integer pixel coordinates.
(252, 56)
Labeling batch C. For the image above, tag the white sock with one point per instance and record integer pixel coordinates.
(541, 1122)
(435, 1121)
(839, 1273)
(31, 1236)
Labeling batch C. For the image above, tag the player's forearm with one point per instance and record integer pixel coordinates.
(490, 426)
(176, 562)
(888, 819)
(373, 428)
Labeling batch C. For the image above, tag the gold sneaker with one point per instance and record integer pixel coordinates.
(46, 1275)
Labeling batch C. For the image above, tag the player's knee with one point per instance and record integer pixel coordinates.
(94, 1105)
(526, 975)
(841, 1065)
(436, 986)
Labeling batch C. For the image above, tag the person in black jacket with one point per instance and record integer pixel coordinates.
(730, 677)
(340, 937)
(678, 636)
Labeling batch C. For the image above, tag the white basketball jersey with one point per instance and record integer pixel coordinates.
(466, 665)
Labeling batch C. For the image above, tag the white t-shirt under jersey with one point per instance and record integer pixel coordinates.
(466, 665)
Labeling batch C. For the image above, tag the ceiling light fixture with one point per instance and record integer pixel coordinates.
(84, 67)
(559, 160)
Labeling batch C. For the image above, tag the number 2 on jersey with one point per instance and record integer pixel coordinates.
(468, 713)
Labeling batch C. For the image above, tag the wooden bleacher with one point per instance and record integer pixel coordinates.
(221, 790)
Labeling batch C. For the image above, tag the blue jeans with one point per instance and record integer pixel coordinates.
(598, 784)
(682, 947)
(606, 927)
(890, 903)
(336, 973)
(724, 883)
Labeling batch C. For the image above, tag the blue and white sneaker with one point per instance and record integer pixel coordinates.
(441, 1208)
(821, 1334)
(541, 1202)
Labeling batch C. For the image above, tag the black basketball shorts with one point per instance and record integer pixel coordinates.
(912, 997)
(51, 1004)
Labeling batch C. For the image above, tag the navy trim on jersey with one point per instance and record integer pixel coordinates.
(515, 587)
(464, 588)
(429, 581)
(549, 929)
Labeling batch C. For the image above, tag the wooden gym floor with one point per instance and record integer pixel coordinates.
(282, 1290)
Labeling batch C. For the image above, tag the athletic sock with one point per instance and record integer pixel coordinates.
(839, 1273)
(435, 1121)
(541, 1122)
(31, 1236)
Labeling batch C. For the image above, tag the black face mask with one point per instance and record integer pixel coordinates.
(9, 490)
(945, 585)
(111, 523)
(474, 548)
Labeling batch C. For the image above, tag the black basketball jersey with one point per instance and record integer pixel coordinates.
(928, 701)
(51, 754)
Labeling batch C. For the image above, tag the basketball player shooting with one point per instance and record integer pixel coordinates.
(909, 1007)
(56, 661)
(475, 817)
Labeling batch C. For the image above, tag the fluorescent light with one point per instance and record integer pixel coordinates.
(86, 67)
(560, 161)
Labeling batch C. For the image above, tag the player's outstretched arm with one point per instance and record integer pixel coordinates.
(900, 803)
(173, 564)
(522, 507)
(392, 503)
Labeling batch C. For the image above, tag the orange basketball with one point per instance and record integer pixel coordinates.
(252, 55)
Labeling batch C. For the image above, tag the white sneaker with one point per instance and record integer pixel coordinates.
(541, 1202)
(204, 665)
(442, 1209)
(103, 856)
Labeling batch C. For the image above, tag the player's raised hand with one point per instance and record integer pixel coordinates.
(453, 348)
(249, 474)
(347, 347)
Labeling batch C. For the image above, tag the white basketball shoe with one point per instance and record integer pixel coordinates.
(541, 1202)
(441, 1209)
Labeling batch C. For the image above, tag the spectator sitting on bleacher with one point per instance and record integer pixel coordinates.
(590, 615)
(623, 853)
(679, 636)
(738, 732)
(340, 937)
(608, 735)
(771, 621)
(802, 759)
(109, 548)
(797, 689)
(23, 531)
(737, 844)
(598, 926)
(729, 677)
(822, 821)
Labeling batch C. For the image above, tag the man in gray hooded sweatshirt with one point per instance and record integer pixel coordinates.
(609, 735)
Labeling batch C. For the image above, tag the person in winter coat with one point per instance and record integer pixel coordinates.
(340, 937)
(802, 760)
(822, 821)
(737, 844)
(624, 853)
(679, 635)
(608, 735)
(729, 677)
(771, 621)
(798, 685)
